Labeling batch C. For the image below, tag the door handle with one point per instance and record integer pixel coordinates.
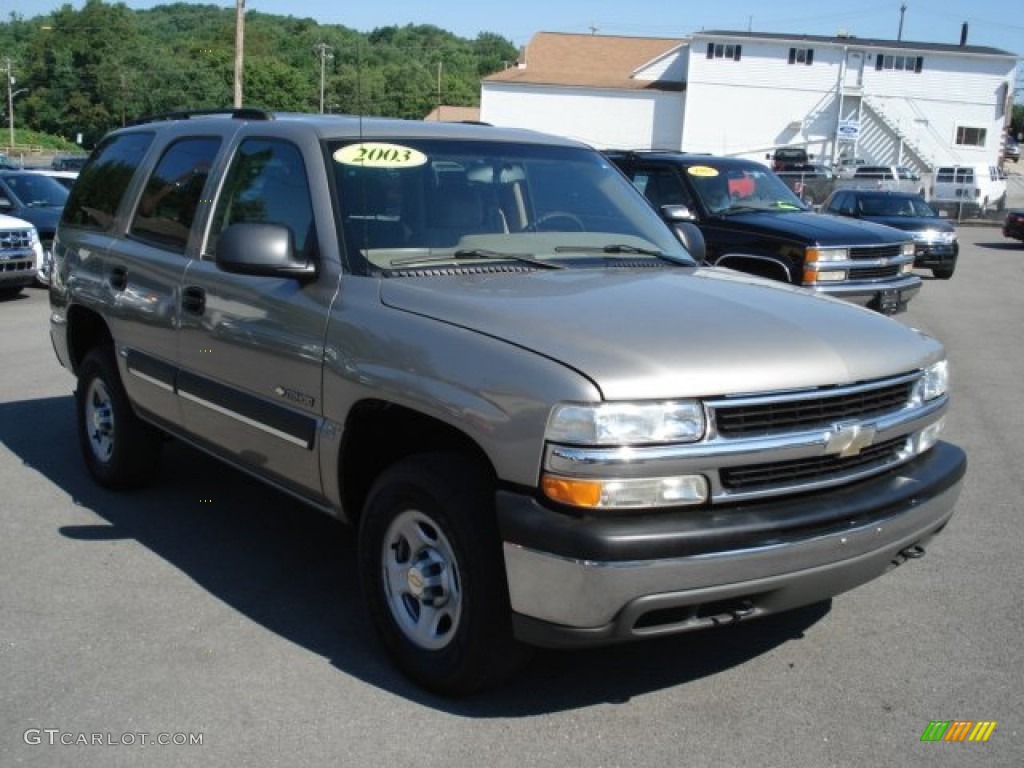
(118, 278)
(193, 300)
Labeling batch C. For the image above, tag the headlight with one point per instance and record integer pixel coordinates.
(826, 276)
(820, 255)
(631, 493)
(935, 236)
(933, 383)
(907, 249)
(678, 421)
(927, 437)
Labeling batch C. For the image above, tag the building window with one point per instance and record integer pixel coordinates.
(899, 63)
(801, 56)
(970, 137)
(724, 51)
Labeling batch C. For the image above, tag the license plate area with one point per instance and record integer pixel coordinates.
(888, 302)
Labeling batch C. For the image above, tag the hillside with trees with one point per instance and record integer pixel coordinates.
(87, 71)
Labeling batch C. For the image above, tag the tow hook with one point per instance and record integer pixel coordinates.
(910, 553)
(741, 611)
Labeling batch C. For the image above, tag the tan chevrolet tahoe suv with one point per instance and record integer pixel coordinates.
(485, 350)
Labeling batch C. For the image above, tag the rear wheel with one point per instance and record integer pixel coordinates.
(433, 574)
(119, 449)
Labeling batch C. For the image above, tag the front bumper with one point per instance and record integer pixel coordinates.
(576, 581)
(931, 255)
(889, 298)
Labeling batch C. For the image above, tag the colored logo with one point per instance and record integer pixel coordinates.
(958, 730)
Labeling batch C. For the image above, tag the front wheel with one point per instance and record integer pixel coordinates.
(119, 449)
(433, 575)
(943, 273)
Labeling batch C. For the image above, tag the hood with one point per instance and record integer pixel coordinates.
(44, 218)
(11, 222)
(810, 227)
(915, 223)
(661, 333)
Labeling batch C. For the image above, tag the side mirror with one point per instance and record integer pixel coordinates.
(675, 213)
(255, 248)
(681, 219)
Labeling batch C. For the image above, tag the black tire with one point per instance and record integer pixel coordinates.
(120, 451)
(433, 575)
(943, 273)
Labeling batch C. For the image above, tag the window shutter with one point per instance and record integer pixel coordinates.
(878, 62)
(919, 64)
(810, 56)
(792, 55)
(736, 56)
(711, 50)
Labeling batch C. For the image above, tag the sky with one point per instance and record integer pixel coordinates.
(990, 22)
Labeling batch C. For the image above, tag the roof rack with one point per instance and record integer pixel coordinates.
(241, 113)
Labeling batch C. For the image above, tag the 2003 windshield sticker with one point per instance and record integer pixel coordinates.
(379, 155)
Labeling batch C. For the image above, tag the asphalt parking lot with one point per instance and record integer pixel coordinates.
(209, 609)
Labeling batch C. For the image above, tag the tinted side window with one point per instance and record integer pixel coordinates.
(102, 183)
(662, 187)
(173, 193)
(266, 183)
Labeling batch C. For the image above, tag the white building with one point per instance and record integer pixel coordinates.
(746, 93)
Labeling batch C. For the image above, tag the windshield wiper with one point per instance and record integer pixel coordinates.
(617, 248)
(477, 253)
(613, 248)
(525, 258)
(739, 209)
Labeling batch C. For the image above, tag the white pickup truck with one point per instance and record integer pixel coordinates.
(894, 178)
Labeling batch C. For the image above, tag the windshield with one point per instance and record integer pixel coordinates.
(417, 204)
(738, 188)
(34, 190)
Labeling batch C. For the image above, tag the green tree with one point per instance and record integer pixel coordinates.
(94, 69)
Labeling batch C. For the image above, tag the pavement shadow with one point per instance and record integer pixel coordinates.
(1002, 245)
(292, 570)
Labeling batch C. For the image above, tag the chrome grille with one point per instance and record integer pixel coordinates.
(874, 273)
(810, 470)
(876, 251)
(751, 419)
(15, 240)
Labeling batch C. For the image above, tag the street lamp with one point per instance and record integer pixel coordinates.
(10, 106)
(11, 93)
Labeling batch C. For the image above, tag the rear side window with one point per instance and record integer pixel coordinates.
(98, 191)
(173, 193)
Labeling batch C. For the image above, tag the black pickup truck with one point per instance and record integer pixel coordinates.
(752, 222)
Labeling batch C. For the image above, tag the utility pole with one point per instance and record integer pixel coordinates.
(325, 52)
(903, 10)
(10, 101)
(440, 68)
(239, 48)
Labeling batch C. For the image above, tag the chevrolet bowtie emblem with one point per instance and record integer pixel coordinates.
(849, 439)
